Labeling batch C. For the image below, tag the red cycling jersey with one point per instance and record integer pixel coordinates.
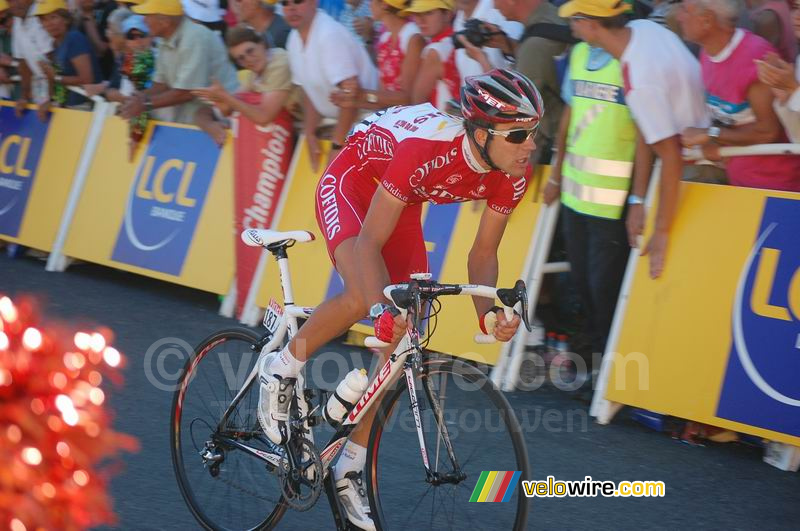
(417, 154)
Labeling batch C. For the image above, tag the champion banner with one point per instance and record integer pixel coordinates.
(261, 162)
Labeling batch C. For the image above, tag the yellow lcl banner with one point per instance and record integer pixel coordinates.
(37, 164)
(717, 338)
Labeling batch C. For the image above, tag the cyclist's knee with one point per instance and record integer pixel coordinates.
(355, 305)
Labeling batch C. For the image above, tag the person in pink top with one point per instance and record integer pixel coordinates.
(771, 20)
(740, 104)
(398, 54)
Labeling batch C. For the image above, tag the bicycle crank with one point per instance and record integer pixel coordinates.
(302, 483)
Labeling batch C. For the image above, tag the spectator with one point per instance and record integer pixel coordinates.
(206, 13)
(398, 55)
(110, 88)
(189, 56)
(437, 81)
(6, 60)
(267, 74)
(785, 84)
(357, 17)
(664, 92)
(592, 174)
(30, 44)
(324, 56)
(92, 21)
(261, 16)
(73, 62)
(484, 11)
(741, 105)
(770, 19)
(535, 60)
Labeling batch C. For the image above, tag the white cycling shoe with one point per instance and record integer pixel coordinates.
(350, 490)
(275, 396)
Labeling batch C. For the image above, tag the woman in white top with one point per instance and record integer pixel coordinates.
(785, 83)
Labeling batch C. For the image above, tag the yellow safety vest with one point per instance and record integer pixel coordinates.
(601, 140)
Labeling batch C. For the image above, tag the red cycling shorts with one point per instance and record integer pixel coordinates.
(342, 199)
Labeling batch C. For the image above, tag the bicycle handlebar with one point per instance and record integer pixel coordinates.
(405, 295)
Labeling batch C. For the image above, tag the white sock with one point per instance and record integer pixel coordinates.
(285, 364)
(353, 459)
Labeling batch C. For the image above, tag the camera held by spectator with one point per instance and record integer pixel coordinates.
(476, 32)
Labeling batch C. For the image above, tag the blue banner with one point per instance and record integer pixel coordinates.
(166, 199)
(21, 143)
(762, 381)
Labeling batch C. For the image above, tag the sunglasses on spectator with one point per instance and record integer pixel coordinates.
(286, 3)
(515, 136)
(576, 18)
(135, 36)
(247, 54)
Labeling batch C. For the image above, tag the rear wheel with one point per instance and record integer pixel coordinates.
(224, 486)
(485, 437)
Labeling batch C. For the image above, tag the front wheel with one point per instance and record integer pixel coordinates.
(224, 486)
(486, 449)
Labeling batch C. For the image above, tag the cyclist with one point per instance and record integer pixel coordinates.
(369, 202)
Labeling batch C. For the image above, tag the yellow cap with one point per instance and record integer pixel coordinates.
(159, 7)
(423, 6)
(45, 7)
(3, 5)
(134, 2)
(397, 4)
(593, 8)
(270, 2)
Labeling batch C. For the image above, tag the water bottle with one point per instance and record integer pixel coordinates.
(40, 90)
(561, 359)
(550, 352)
(347, 394)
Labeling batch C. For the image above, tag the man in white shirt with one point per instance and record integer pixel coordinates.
(30, 43)
(325, 56)
(664, 91)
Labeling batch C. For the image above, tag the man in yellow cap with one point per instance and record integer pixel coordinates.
(190, 56)
(664, 92)
(30, 43)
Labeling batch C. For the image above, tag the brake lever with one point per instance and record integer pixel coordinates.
(522, 295)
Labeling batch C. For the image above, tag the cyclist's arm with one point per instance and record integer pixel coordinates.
(482, 264)
(381, 219)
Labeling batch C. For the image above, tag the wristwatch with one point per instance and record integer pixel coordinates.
(372, 97)
(148, 104)
(377, 310)
(634, 199)
(713, 132)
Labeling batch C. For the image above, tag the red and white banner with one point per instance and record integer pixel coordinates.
(262, 155)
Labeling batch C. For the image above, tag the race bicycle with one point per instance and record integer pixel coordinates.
(437, 428)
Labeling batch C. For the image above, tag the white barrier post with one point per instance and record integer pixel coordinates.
(506, 373)
(604, 410)
(57, 261)
(498, 372)
(251, 314)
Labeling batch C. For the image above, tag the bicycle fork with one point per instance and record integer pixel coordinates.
(432, 476)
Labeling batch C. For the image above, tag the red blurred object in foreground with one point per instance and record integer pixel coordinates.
(55, 429)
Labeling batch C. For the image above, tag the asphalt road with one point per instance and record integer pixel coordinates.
(715, 486)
